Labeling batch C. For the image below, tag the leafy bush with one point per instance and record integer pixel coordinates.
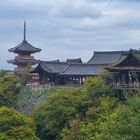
(14, 126)
(123, 122)
(58, 113)
(9, 88)
(53, 115)
(97, 87)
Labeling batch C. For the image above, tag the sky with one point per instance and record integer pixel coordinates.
(69, 28)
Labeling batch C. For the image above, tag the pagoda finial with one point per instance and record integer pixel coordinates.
(24, 30)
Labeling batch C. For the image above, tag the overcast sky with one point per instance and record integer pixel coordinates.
(69, 28)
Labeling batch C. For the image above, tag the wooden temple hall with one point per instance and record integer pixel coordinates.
(125, 66)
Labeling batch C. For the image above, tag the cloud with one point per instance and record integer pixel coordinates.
(75, 9)
(69, 28)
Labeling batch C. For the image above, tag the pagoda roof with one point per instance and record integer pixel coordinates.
(75, 60)
(105, 57)
(82, 70)
(22, 61)
(24, 46)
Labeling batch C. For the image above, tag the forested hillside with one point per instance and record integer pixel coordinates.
(91, 112)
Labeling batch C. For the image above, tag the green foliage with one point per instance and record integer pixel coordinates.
(14, 126)
(106, 105)
(97, 87)
(53, 115)
(86, 129)
(2, 73)
(25, 75)
(72, 132)
(9, 87)
(59, 112)
(123, 122)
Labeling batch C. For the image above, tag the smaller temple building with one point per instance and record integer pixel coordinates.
(24, 51)
(126, 70)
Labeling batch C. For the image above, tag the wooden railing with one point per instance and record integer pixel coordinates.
(24, 57)
(126, 86)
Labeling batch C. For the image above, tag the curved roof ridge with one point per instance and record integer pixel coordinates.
(65, 69)
(105, 57)
(95, 52)
(44, 66)
(55, 62)
(125, 56)
(91, 57)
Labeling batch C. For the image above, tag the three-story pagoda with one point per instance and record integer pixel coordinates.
(24, 57)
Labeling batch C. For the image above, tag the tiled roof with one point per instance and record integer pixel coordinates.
(128, 61)
(105, 57)
(82, 70)
(21, 61)
(25, 47)
(76, 60)
(51, 67)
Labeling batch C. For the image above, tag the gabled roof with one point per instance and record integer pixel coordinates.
(66, 69)
(57, 60)
(128, 61)
(105, 57)
(82, 70)
(24, 47)
(51, 67)
(74, 61)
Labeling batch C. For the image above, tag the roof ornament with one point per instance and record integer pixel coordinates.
(24, 30)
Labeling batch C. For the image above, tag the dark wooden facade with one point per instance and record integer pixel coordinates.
(125, 66)
(64, 73)
(126, 70)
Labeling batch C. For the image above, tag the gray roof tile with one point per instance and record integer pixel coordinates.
(106, 57)
(52, 67)
(74, 61)
(82, 69)
(25, 47)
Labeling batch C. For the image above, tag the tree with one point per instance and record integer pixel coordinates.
(123, 123)
(55, 114)
(9, 87)
(86, 129)
(25, 75)
(72, 131)
(59, 111)
(2, 73)
(14, 126)
(95, 88)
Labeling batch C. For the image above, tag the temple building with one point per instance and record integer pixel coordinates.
(126, 70)
(125, 66)
(24, 57)
(73, 71)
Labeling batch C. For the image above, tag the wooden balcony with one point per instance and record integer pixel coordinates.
(24, 57)
(135, 86)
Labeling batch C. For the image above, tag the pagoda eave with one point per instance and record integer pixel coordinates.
(23, 51)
